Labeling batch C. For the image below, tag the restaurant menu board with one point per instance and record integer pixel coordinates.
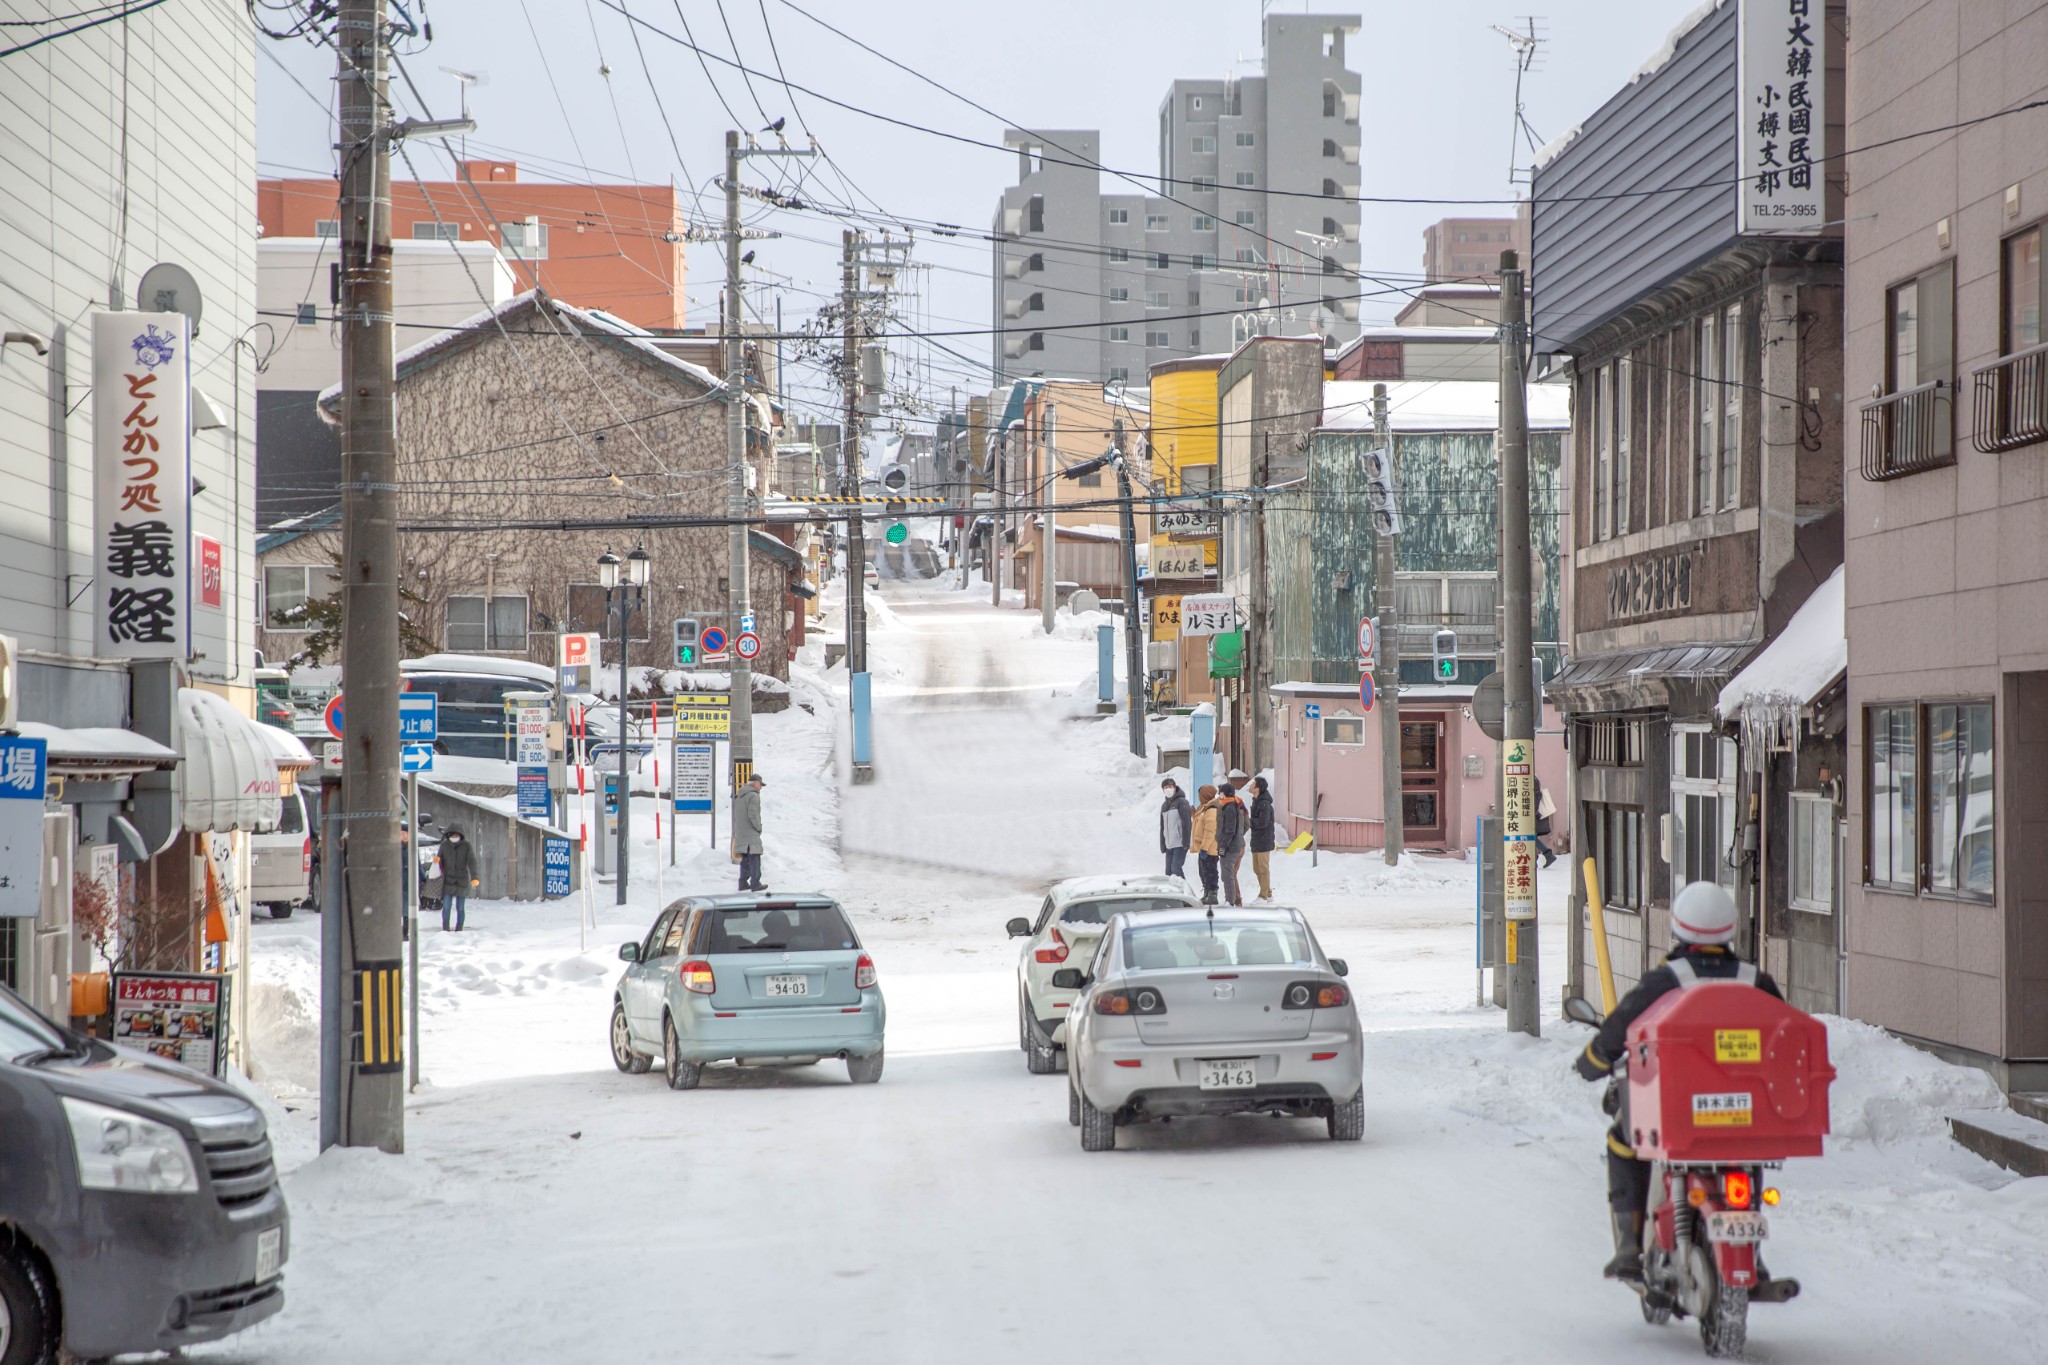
(176, 1015)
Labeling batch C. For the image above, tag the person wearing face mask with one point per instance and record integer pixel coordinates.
(458, 877)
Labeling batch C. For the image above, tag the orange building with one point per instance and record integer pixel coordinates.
(614, 247)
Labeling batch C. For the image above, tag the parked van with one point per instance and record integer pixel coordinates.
(473, 690)
(139, 1205)
(281, 862)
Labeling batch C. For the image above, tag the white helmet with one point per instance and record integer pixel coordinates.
(1703, 912)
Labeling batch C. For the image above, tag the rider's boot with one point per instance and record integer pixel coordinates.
(1627, 1265)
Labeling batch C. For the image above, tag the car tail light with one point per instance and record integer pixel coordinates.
(306, 855)
(1736, 1185)
(1137, 1000)
(1771, 1196)
(1056, 953)
(863, 973)
(696, 976)
(1314, 995)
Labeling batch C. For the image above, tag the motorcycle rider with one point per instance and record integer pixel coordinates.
(1703, 923)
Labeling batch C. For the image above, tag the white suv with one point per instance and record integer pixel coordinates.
(1068, 927)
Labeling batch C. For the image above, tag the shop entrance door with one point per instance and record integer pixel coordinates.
(1422, 779)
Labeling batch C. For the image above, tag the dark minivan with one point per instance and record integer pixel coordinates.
(139, 1205)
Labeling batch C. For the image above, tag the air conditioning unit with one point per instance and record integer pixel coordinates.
(1162, 656)
(10, 684)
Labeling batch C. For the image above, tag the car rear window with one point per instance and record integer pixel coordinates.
(767, 929)
(291, 815)
(1098, 912)
(1221, 943)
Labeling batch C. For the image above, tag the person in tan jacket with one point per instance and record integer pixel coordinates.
(1203, 841)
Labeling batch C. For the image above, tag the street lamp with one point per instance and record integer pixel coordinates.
(624, 594)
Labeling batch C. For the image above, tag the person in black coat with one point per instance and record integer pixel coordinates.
(458, 877)
(1261, 837)
(1231, 818)
(1176, 824)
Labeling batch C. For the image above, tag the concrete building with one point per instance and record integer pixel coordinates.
(1065, 423)
(618, 248)
(1701, 335)
(130, 640)
(1947, 534)
(1468, 249)
(1255, 213)
(434, 285)
(1183, 555)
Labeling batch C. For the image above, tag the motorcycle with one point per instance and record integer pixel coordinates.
(1702, 1235)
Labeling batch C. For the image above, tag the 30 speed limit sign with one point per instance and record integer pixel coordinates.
(747, 645)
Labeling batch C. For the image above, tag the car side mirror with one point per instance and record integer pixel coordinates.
(1069, 979)
(629, 952)
(1018, 928)
(1340, 966)
(1580, 1010)
(426, 818)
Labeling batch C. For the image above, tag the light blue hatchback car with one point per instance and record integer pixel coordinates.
(747, 978)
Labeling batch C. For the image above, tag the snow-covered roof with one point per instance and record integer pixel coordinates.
(1134, 884)
(1440, 405)
(1808, 655)
(99, 744)
(286, 750)
(1469, 333)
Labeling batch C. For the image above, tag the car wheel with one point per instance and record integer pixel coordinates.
(681, 1075)
(1042, 1058)
(1073, 1103)
(1023, 1022)
(27, 1335)
(1098, 1130)
(1347, 1120)
(280, 909)
(623, 1056)
(865, 1070)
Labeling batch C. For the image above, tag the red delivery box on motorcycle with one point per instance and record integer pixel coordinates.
(1723, 1072)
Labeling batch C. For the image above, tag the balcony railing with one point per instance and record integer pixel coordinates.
(2012, 402)
(1908, 431)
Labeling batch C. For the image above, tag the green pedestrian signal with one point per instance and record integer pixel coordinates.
(686, 642)
(897, 533)
(1445, 650)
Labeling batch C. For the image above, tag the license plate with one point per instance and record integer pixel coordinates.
(269, 1243)
(1732, 1225)
(1232, 1073)
(790, 983)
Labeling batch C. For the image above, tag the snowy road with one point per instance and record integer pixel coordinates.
(551, 1209)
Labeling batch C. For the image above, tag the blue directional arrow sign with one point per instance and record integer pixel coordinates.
(416, 758)
(1313, 711)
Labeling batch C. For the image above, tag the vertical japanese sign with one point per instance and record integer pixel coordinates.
(142, 485)
(1781, 117)
(209, 571)
(1518, 827)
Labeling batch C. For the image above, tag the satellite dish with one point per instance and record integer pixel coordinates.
(167, 288)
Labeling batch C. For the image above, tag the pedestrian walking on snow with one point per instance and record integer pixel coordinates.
(746, 833)
(1231, 820)
(1545, 808)
(1203, 841)
(458, 877)
(1261, 837)
(1175, 826)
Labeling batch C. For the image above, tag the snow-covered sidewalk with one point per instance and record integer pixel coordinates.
(551, 1209)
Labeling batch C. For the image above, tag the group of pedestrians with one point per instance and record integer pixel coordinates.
(1226, 822)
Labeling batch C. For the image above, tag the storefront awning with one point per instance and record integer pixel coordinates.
(99, 751)
(289, 753)
(1682, 678)
(229, 779)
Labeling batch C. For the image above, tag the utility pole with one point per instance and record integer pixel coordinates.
(1000, 467)
(373, 1083)
(1518, 724)
(1134, 642)
(740, 608)
(849, 455)
(1049, 585)
(1387, 640)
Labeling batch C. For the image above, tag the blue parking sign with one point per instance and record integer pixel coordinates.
(554, 867)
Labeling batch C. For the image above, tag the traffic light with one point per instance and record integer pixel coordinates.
(1446, 653)
(686, 642)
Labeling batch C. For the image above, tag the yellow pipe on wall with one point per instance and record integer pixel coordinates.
(1598, 914)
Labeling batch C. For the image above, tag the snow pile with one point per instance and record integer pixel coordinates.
(1885, 1092)
(284, 1013)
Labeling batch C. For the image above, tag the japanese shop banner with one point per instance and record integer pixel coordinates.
(142, 485)
(1781, 117)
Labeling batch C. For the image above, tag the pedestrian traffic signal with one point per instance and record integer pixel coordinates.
(1446, 653)
(686, 642)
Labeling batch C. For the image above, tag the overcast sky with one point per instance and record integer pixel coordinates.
(1436, 116)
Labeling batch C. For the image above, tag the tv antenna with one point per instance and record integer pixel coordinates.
(1528, 48)
(464, 80)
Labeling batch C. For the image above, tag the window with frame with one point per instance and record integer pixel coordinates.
(1919, 360)
(1245, 179)
(1155, 222)
(327, 229)
(1891, 783)
(1343, 729)
(1158, 260)
(1156, 339)
(1119, 253)
(1119, 374)
(1703, 770)
(1204, 184)
(1119, 334)
(1706, 407)
(1928, 775)
(1623, 416)
(1156, 298)
(1614, 836)
(1034, 214)
(482, 625)
(1202, 144)
(435, 232)
(1246, 255)
(1119, 215)
(2024, 289)
(1603, 453)
(1729, 449)
(1247, 218)
(1202, 222)
(525, 241)
(287, 588)
(1201, 261)
(1247, 139)
(1119, 293)
(308, 314)
(1815, 821)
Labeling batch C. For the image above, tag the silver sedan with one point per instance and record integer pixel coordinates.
(1231, 1011)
